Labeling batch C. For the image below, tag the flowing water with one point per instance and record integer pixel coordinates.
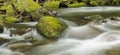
(82, 40)
(89, 39)
(76, 40)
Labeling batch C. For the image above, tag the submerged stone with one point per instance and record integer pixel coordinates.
(50, 27)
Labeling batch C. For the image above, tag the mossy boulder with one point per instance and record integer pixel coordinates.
(51, 5)
(50, 27)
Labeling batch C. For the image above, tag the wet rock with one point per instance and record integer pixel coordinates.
(50, 27)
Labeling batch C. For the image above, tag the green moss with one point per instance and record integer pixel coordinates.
(27, 5)
(84, 0)
(1, 21)
(66, 1)
(31, 5)
(51, 5)
(94, 3)
(102, 3)
(77, 4)
(13, 1)
(2, 7)
(19, 5)
(11, 19)
(94, 17)
(36, 15)
(9, 10)
(82, 4)
(50, 27)
(7, 21)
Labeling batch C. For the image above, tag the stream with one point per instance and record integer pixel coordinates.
(83, 40)
(88, 39)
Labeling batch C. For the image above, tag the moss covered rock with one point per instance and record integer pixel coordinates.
(50, 27)
(10, 11)
(27, 5)
(11, 19)
(77, 4)
(94, 3)
(51, 5)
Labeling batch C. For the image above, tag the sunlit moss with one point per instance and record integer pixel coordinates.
(77, 4)
(11, 19)
(31, 5)
(66, 1)
(27, 5)
(3, 7)
(84, 0)
(13, 1)
(8, 20)
(19, 5)
(94, 3)
(9, 10)
(52, 5)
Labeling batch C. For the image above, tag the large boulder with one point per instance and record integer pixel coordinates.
(50, 27)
